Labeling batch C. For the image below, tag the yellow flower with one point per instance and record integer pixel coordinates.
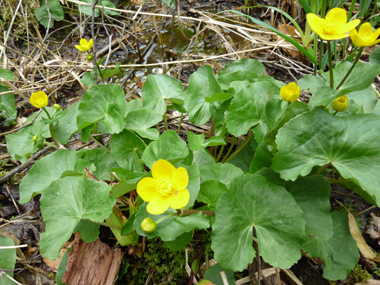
(340, 104)
(365, 37)
(290, 92)
(166, 188)
(84, 45)
(39, 99)
(334, 26)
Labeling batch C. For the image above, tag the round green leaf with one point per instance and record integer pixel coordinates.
(213, 275)
(244, 64)
(350, 143)
(55, 13)
(7, 74)
(158, 88)
(7, 260)
(172, 227)
(160, 149)
(66, 125)
(252, 201)
(247, 107)
(103, 102)
(127, 148)
(222, 172)
(65, 203)
(340, 253)
(44, 172)
(142, 120)
(202, 84)
(197, 142)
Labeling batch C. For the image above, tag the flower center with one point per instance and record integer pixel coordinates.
(40, 102)
(330, 28)
(164, 187)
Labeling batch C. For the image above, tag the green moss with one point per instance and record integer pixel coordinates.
(360, 274)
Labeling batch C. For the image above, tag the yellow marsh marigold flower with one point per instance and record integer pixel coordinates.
(365, 37)
(84, 45)
(334, 26)
(166, 188)
(39, 99)
(290, 92)
(340, 104)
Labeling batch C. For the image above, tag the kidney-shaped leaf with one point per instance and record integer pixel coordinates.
(350, 143)
(65, 203)
(158, 88)
(339, 253)
(222, 172)
(103, 102)
(44, 172)
(252, 201)
(141, 120)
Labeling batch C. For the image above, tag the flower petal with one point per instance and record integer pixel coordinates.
(347, 27)
(80, 48)
(365, 30)
(375, 35)
(180, 179)
(158, 205)
(337, 16)
(179, 199)
(330, 37)
(83, 42)
(163, 169)
(316, 23)
(90, 44)
(146, 188)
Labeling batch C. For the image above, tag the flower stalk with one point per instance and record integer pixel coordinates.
(352, 67)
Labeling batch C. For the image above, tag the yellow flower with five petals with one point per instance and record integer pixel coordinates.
(365, 37)
(84, 45)
(167, 188)
(39, 99)
(334, 26)
(290, 92)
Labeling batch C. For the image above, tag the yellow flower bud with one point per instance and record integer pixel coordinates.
(57, 107)
(290, 92)
(39, 99)
(340, 104)
(89, 57)
(148, 225)
(35, 138)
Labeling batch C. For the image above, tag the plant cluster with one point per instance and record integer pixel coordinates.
(273, 188)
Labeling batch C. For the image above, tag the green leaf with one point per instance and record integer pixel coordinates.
(7, 102)
(85, 133)
(173, 226)
(65, 203)
(197, 142)
(132, 239)
(88, 79)
(128, 175)
(252, 201)
(88, 230)
(180, 242)
(243, 64)
(350, 143)
(44, 172)
(194, 182)
(366, 98)
(340, 253)
(127, 148)
(102, 160)
(218, 97)
(103, 102)
(210, 193)
(7, 260)
(7, 74)
(244, 157)
(262, 158)
(247, 107)
(158, 88)
(374, 57)
(313, 196)
(141, 122)
(213, 275)
(122, 188)
(128, 226)
(66, 126)
(159, 149)
(134, 105)
(170, 3)
(55, 10)
(105, 3)
(202, 84)
(222, 172)
(62, 268)
(203, 157)
(107, 73)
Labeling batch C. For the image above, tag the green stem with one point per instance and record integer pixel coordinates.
(107, 225)
(50, 144)
(99, 144)
(230, 149)
(352, 67)
(323, 167)
(330, 65)
(165, 217)
(99, 70)
(338, 181)
(320, 56)
(180, 122)
(166, 122)
(239, 148)
(222, 148)
(51, 129)
(47, 113)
